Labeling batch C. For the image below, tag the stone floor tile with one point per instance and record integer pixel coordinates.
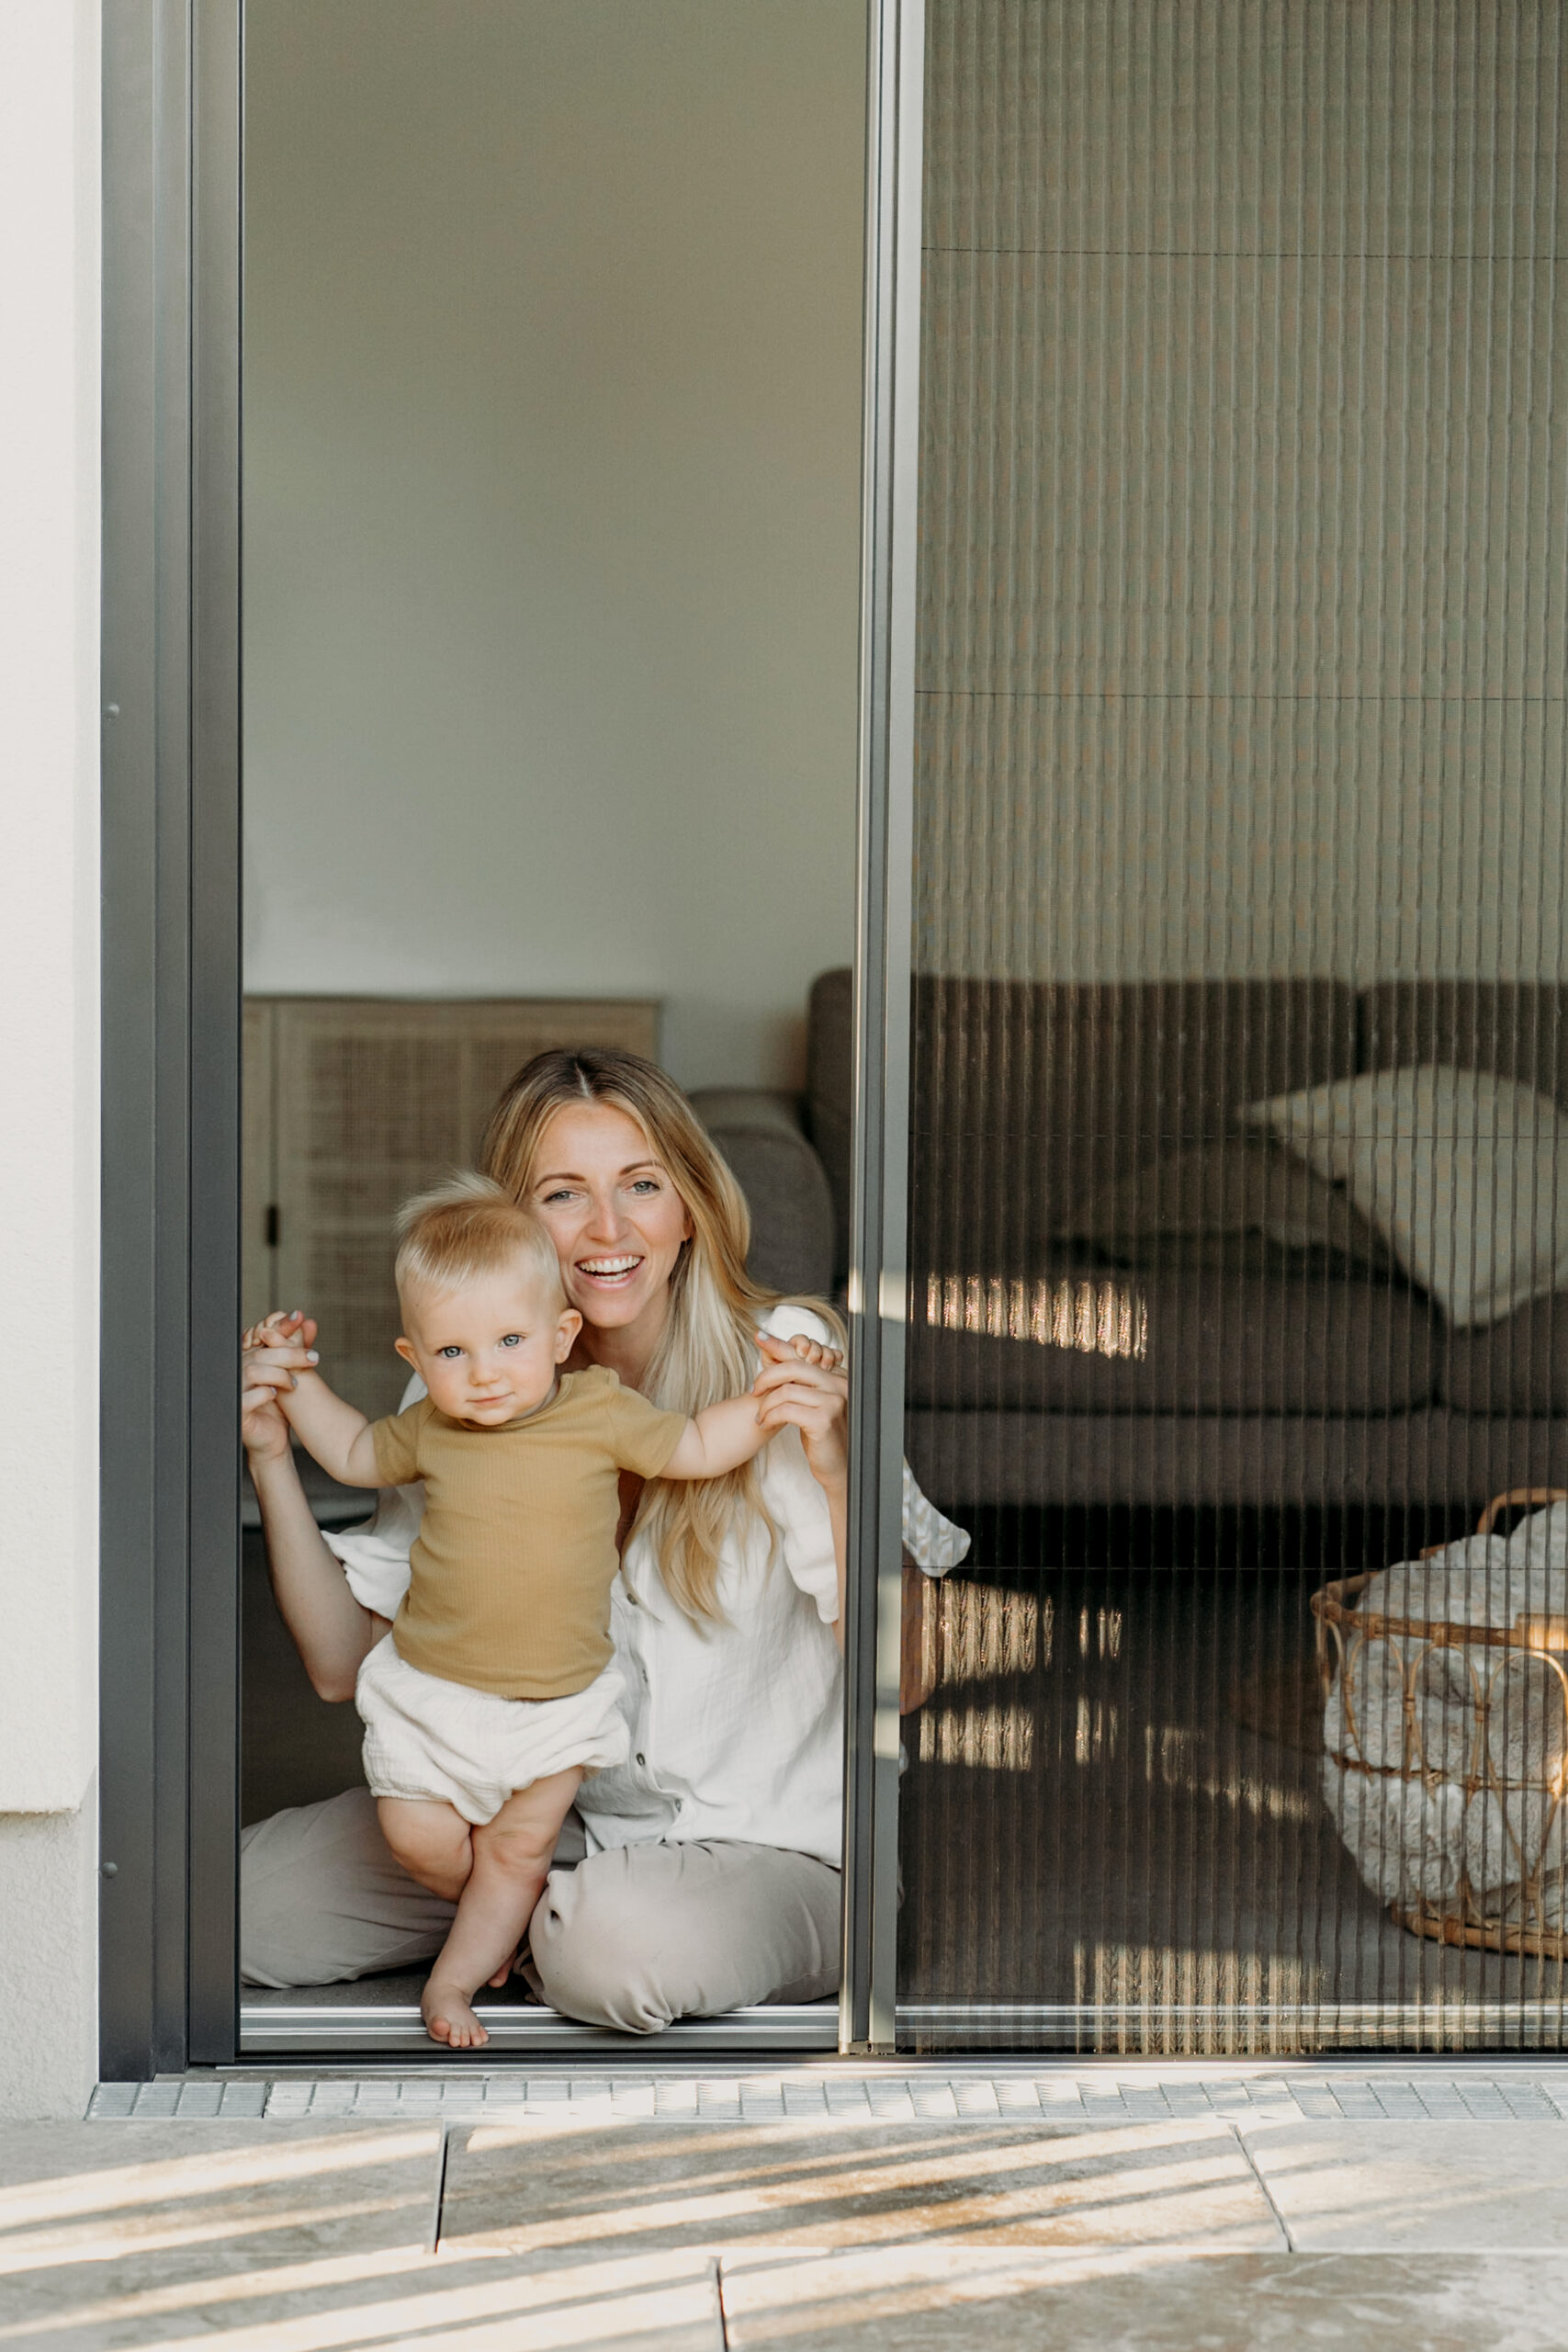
(138, 2219)
(398, 2296)
(849, 2181)
(1463, 2186)
(1136, 2300)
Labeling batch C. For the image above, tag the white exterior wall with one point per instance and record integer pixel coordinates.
(48, 1074)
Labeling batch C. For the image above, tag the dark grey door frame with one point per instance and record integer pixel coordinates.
(879, 1211)
(171, 979)
(171, 1000)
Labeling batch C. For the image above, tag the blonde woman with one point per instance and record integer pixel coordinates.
(702, 1875)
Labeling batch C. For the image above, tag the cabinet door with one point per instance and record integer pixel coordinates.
(376, 1099)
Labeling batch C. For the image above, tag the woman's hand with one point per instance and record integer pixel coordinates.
(274, 1350)
(332, 1631)
(803, 1386)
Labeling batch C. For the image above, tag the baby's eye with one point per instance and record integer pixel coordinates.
(450, 1353)
(513, 1340)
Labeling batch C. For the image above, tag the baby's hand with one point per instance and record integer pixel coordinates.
(805, 1350)
(284, 1327)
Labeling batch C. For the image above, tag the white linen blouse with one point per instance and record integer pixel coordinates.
(736, 1725)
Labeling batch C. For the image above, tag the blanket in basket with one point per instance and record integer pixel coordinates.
(1444, 1761)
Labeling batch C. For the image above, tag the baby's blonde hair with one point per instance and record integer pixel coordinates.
(467, 1226)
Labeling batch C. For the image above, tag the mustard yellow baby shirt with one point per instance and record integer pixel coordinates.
(511, 1572)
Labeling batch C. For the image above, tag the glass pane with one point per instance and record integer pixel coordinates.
(1239, 1102)
(553, 415)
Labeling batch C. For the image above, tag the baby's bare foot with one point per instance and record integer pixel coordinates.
(448, 2017)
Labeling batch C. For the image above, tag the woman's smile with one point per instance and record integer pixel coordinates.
(608, 1273)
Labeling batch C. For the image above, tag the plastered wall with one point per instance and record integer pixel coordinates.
(553, 357)
(49, 1073)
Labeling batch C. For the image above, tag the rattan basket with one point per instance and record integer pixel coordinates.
(1342, 1629)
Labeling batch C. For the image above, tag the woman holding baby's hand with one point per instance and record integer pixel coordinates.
(702, 1875)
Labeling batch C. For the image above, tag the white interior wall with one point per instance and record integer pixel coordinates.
(1245, 637)
(553, 327)
(49, 1062)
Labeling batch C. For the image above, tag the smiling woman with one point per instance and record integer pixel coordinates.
(698, 1873)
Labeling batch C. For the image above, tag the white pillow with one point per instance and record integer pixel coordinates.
(1456, 1168)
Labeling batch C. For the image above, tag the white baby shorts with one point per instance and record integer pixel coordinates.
(424, 1737)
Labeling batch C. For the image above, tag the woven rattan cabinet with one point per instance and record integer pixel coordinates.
(351, 1103)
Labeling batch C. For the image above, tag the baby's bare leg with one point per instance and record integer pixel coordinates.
(511, 1862)
(431, 1839)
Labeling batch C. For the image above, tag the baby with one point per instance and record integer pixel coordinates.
(495, 1691)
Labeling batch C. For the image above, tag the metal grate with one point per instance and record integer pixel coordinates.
(1106, 2095)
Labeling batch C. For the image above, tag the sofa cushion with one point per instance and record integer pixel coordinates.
(1458, 1168)
(974, 1460)
(760, 1136)
(1091, 1340)
(1197, 1205)
(1026, 1095)
(1520, 1365)
(1516, 1029)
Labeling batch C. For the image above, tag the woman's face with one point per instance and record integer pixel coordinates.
(614, 1214)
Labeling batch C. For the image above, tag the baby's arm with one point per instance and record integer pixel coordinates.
(333, 1432)
(721, 1437)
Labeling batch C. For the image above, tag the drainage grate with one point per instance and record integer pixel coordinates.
(1139, 2096)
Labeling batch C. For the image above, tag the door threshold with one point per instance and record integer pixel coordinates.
(1276, 2031)
(302, 2030)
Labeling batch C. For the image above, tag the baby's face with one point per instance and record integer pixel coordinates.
(488, 1351)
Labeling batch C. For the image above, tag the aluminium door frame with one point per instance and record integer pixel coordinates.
(172, 83)
(169, 1537)
(879, 1284)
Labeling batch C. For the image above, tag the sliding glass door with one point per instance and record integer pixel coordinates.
(1152, 1031)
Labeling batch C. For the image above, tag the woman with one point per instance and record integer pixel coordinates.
(706, 1871)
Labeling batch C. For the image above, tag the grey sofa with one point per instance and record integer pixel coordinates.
(1279, 1381)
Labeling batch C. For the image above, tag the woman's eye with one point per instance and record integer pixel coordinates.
(646, 1185)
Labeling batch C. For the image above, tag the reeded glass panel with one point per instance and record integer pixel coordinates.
(1239, 1105)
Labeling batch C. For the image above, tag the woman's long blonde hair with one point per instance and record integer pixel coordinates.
(707, 1350)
